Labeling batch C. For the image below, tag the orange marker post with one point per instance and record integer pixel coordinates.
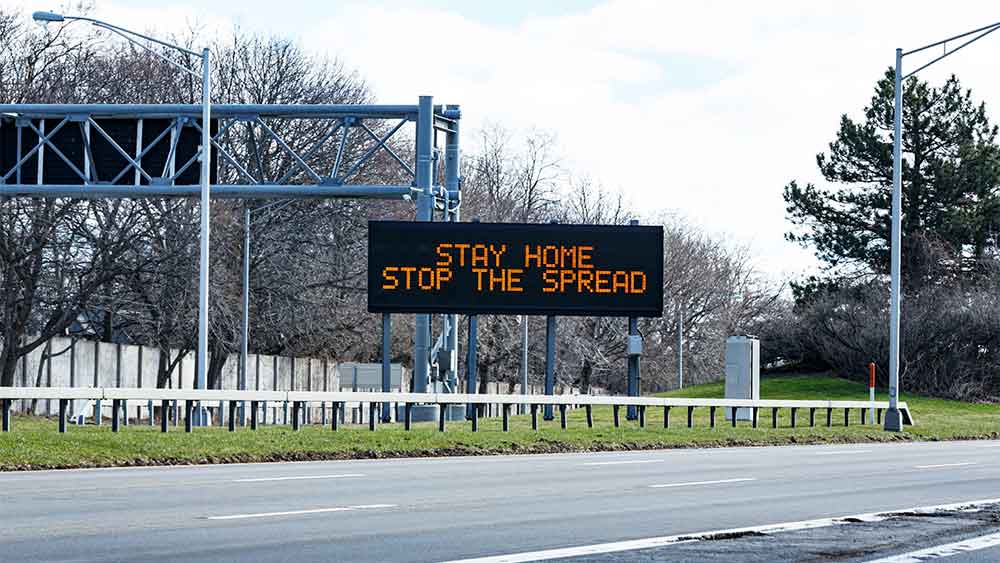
(871, 390)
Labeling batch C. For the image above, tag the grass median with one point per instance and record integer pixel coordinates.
(35, 443)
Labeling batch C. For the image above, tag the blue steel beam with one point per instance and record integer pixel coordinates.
(222, 191)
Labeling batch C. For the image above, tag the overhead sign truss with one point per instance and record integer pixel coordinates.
(259, 151)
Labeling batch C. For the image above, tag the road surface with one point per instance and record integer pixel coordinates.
(454, 508)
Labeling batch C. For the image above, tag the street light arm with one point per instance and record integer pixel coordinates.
(173, 63)
(128, 32)
(984, 32)
(950, 39)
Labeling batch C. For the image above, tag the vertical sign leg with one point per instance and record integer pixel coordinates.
(633, 368)
(386, 365)
(550, 362)
(471, 365)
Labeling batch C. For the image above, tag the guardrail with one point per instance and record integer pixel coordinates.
(298, 399)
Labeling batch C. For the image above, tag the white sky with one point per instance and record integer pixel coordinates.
(707, 108)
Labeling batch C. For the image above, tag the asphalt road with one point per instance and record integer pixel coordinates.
(452, 508)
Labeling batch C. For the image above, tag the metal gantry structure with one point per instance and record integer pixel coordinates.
(383, 128)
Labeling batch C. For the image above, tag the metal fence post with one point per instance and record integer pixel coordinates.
(63, 405)
(98, 415)
(116, 406)
(164, 413)
(5, 407)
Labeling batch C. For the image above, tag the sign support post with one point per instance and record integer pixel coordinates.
(633, 365)
(425, 212)
(633, 358)
(386, 364)
(550, 361)
(471, 384)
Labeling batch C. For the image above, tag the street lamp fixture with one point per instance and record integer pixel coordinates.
(46, 17)
(205, 156)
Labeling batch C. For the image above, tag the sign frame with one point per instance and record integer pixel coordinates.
(392, 242)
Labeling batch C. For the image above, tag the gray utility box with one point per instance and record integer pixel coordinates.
(742, 373)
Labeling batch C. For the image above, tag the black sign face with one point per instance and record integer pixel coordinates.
(508, 268)
(107, 163)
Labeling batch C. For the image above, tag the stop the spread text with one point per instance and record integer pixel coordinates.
(499, 268)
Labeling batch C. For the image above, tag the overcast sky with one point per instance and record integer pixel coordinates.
(704, 108)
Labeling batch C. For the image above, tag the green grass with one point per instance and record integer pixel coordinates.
(36, 444)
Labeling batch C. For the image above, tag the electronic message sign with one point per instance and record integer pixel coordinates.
(508, 268)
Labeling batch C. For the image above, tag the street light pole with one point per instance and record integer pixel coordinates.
(893, 422)
(206, 159)
(206, 151)
(245, 316)
(893, 418)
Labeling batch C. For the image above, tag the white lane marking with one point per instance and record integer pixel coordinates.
(297, 512)
(947, 550)
(297, 478)
(693, 483)
(646, 543)
(626, 462)
(845, 452)
(964, 463)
